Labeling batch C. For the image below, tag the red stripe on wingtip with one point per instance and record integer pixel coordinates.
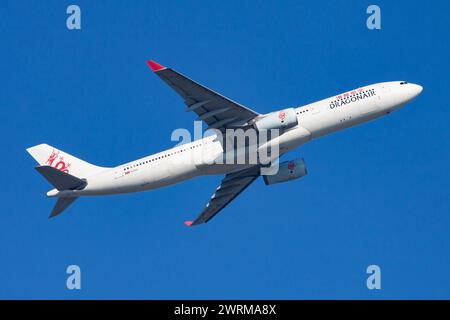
(188, 223)
(155, 66)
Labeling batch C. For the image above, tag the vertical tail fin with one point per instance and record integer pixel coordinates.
(63, 171)
(47, 155)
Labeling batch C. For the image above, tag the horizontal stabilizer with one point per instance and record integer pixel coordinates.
(61, 180)
(61, 205)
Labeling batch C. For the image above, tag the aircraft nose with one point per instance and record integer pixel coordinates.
(415, 89)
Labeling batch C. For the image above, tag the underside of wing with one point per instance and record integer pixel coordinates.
(230, 187)
(217, 111)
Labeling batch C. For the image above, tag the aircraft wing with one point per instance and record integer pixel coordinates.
(217, 111)
(230, 187)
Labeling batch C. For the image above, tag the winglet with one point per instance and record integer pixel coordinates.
(155, 66)
(188, 223)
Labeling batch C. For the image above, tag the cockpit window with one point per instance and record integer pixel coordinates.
(403, 82)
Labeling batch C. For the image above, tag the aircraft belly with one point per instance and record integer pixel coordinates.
(293, 138)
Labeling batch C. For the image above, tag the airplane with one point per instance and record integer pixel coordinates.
(73, 178)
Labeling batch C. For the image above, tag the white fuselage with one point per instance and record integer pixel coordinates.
(314, 120)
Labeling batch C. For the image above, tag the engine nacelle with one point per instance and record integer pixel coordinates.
(283, 119)
(288, 170)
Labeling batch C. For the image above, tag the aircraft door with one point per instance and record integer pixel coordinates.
(315, 109)
(119, 172)
(383, 91)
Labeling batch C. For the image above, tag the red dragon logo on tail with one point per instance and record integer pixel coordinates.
(60, 164)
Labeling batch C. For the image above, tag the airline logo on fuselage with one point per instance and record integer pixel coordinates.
(352, 96)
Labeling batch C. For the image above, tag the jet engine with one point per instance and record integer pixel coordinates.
(283, 119)
(288, 170)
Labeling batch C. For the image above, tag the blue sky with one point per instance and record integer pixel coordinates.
(375, 194)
